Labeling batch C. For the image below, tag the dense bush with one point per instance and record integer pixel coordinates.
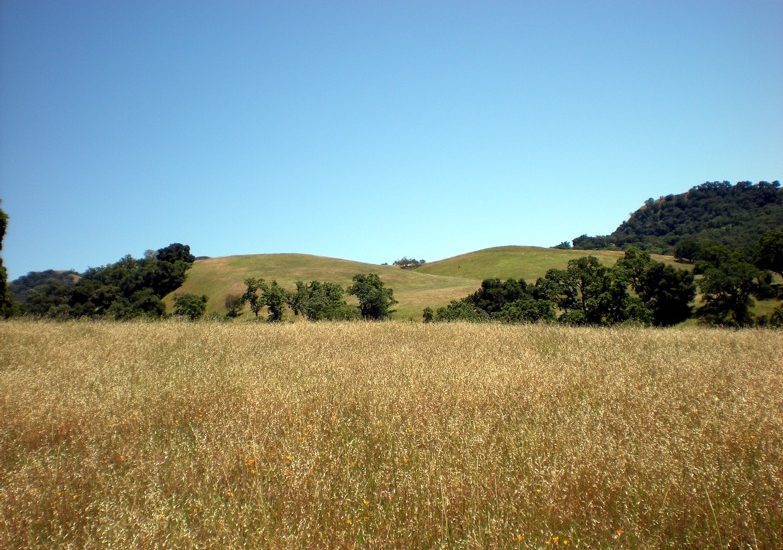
(190, 306)
(321, 301)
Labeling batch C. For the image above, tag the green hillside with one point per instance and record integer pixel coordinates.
(526, 262)
(734, 215)
(434, 284)
(217, 277)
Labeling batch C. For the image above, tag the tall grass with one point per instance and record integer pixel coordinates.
(388, 435)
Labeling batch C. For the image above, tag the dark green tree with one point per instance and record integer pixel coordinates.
(175, 252)
(667, 292)
(526, 310)
(427, 315)
(320, 301)
(713, 254)
(687, 249)
(297, 299)
(274, 298)
(6, 304)
(726, 290)
(258, 293)
(252, 295)
(145, 303)
(635, 263)
(776, 318)
(588, 293)
(769, 252)
(233, 303)
(375, 300)
(664, 291)
(125, 289)
(190, 306)
(48, 298)
(461, 310)
(556, 287)
(494, 294)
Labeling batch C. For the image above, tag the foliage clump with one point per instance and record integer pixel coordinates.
(6, 304)
(126, 289)
(190, 306)
(321, 301)
(714, 211)
(408, 263)
(585, 293)
(375, 299)
(259, 293)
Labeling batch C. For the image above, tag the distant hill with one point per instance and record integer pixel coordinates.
(40, 279)
(217, 277)
(735, 215)
(433, 284)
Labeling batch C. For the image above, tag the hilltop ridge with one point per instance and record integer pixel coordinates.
(432, 284)
(733, 215)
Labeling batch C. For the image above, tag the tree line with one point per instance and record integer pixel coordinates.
(636, 289)
(127, 289)
(315, 301)
(6, 304)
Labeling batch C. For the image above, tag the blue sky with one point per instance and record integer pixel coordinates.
(369, 130)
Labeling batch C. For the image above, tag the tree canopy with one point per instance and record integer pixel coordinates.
(320, 301)
(375, 300)
(125, 289)
(733, 215)
(6, 304)
(190, 306)
(585, 293)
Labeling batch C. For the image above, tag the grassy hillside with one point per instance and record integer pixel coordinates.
(526, 262)
(388, 435)
(217, 277)
(434, 284)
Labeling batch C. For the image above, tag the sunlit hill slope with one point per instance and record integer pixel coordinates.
(434, 284)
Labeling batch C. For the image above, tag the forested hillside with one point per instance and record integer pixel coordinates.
(123, 290)
(733, 215)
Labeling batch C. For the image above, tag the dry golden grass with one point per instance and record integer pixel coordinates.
(388, 435)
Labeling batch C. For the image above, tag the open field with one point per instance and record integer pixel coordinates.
(379, 435)
(434, 284)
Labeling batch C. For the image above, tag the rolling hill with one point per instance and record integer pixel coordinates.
(434, 284)
(526, 262)
(217, 277)
(734, 215)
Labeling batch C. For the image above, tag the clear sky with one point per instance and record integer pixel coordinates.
(369, 130)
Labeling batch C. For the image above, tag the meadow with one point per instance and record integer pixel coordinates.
(388, 435)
